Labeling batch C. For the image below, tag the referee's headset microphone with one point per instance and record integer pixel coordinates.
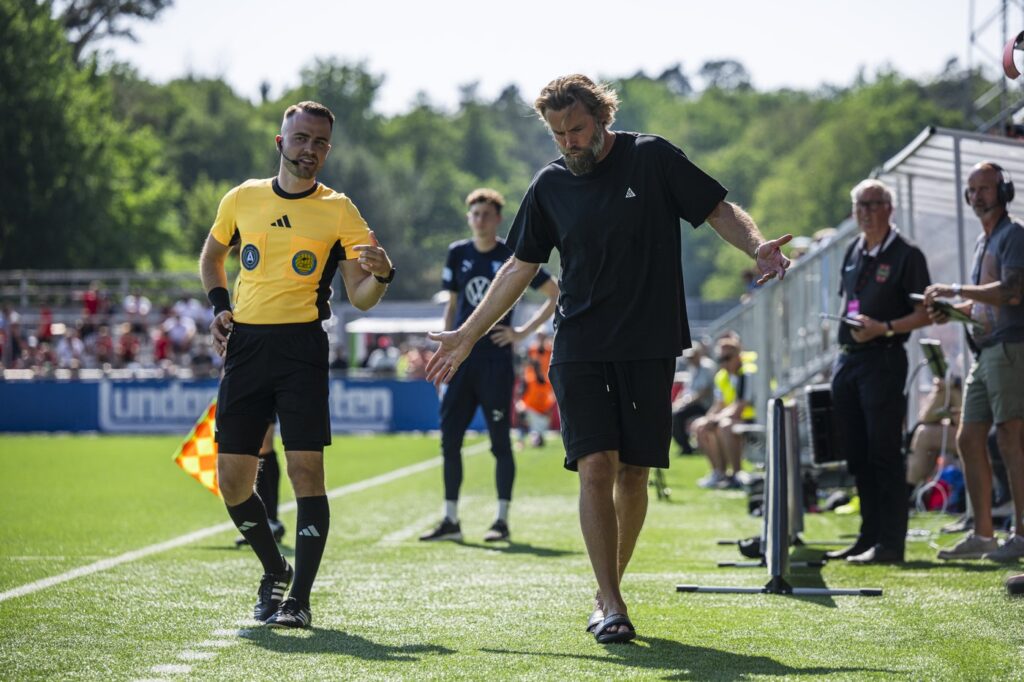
(280, 150)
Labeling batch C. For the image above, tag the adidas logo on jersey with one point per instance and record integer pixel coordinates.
(281, 222)
(310, 532)
(630, 193)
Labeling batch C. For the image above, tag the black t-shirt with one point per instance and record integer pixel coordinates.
(880, 286)
(468, 273)
(617, 233)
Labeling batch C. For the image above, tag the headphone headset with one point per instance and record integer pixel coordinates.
(1004, 190)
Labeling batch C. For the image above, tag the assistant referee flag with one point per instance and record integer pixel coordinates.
(198, 453)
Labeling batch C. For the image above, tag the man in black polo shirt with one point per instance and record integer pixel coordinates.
(880, 271)
(611, 205)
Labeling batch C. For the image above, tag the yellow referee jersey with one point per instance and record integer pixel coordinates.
(289, 248)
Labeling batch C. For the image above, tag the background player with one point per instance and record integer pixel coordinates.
(486, 378)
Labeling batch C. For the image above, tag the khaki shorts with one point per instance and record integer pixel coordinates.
(994, 391)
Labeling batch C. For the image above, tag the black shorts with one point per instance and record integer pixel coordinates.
(272, 368)
(623, 406)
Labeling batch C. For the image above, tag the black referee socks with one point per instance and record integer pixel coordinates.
(250, 518)
(268, 482)
(312, 523)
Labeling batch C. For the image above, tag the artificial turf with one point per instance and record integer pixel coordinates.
(386, 606)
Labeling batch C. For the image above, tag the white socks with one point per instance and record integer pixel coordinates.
(451, 510)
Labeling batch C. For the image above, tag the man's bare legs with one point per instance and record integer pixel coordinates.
(613, 505)
(971, 441)
(1009, 435)
(732, 446)
(706, 431)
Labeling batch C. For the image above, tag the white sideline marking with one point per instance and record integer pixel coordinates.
(181, 540)
(409, 532)
(217, 643)
(197, 655)
(172, 668)
(232, 632)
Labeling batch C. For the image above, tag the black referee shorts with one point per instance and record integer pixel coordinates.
(623, 406)
(268, 368)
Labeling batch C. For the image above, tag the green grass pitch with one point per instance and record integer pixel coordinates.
(386, 606)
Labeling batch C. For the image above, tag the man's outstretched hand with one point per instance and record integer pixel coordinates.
(770, 261)
(449, 356)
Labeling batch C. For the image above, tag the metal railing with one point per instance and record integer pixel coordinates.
(781, 321)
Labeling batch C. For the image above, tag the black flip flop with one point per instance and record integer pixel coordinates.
(595, 619)
(604, 637)
(1015, 585)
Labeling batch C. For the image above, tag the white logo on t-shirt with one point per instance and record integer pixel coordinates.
(476, 288)
(630, 193)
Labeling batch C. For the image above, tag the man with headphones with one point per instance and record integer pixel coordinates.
(994, 391)
(880, 271)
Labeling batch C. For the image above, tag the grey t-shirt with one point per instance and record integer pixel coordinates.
(702, 378)
(993, 254)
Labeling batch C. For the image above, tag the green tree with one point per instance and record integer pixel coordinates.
(80, 189)
(87, 21)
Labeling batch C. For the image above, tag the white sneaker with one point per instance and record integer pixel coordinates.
(712, 480)
(971, 547)
(1011, 550)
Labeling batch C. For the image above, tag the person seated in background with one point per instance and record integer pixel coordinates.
(714, 431)
(935, 432)
(696, 397)
(383, 360)
(538, 398)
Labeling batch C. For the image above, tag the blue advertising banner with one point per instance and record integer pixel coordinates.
(167, 406)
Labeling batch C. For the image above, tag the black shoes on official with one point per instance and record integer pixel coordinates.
(498, 532)
(276, 527)
(446, 530)
(853, 550)
(291, 614)
(878, 555)
(271, 592)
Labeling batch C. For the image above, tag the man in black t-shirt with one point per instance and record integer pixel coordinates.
(880, 272)
(486, 378)
(611, 205)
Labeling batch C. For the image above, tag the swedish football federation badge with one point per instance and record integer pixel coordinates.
(304, 262)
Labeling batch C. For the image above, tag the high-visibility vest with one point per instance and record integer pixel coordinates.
(729, 390)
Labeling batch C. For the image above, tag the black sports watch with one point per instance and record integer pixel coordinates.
(386, 280)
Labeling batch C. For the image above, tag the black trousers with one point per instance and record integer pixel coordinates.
(484, 382)
(869, 408)
(682, 419)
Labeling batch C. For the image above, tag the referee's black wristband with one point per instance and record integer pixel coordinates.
(220, 299)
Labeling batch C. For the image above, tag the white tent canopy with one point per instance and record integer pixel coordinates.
(929, 176)
(394, 325)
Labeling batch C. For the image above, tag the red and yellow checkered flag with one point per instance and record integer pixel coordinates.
(198, 454)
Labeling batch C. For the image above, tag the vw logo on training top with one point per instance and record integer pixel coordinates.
(475, 290)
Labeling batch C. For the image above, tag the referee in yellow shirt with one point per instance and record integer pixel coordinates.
(292, 232)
